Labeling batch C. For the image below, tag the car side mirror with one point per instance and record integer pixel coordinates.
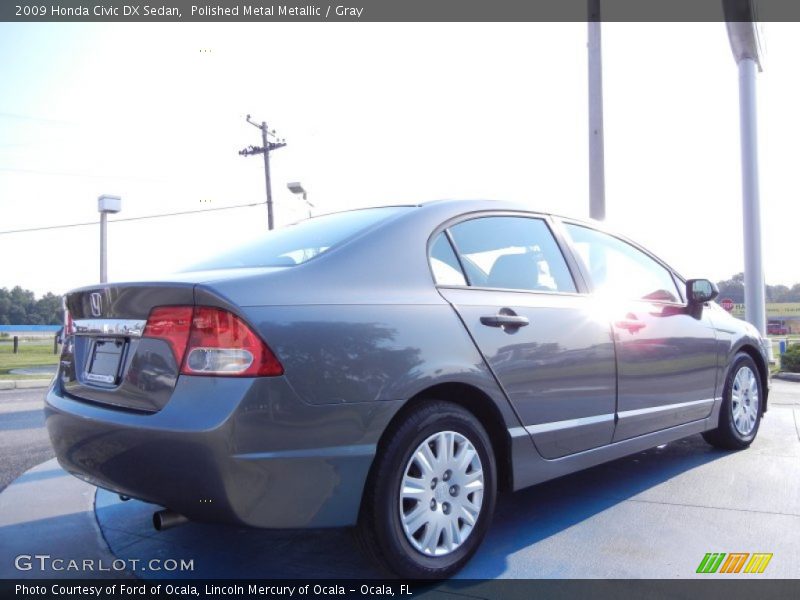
(700, 291)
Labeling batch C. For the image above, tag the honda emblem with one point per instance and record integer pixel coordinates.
(96, 301)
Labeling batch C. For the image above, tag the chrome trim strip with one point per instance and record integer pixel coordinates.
(356, 450)
(655, 409)
(122, 327)
(568, 424)
(515, 432)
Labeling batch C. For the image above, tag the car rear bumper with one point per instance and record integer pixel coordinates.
(241, 451)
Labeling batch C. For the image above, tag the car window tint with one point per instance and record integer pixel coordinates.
(512, 252)
(619, 269)
(295, 244)
(444, 264)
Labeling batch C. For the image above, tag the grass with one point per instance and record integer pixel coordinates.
(31, 354)
(39, 353)
(792, 339)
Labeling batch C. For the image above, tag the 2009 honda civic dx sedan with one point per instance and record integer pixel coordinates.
(394, 368)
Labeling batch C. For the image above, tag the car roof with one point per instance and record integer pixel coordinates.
(464, 206)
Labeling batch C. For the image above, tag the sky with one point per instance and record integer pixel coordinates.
(375, 114)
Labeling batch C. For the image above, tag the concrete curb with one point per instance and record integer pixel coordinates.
(787, 376)
(24, 384)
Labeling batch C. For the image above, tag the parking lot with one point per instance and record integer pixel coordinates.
(651, 515)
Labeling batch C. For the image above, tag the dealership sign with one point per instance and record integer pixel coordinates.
(774, 309)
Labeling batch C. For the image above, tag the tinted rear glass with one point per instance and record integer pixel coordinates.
(300, 242)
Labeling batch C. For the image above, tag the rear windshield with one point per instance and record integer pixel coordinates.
(300, 242)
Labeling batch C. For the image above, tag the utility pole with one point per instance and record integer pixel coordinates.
(597, 176)
(265, 149)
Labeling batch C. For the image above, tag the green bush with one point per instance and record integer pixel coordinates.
(790, 360)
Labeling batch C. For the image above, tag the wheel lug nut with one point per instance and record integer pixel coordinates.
(454, 490)
(433, 504)
(446, 508)
(446, 476)
(434, 482)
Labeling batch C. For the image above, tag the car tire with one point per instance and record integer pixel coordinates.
(444, 497)
(742, 406)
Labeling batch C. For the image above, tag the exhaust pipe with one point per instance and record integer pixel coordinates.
(167, 519)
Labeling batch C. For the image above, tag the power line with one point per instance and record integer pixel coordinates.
(18, 116)
(73, 174)
(174, 214)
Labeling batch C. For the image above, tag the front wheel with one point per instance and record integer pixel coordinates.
(431, 493)
(742, 406)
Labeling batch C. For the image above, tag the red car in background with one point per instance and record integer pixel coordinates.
(777, 328)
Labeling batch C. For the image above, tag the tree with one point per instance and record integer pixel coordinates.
(733, 288)
(777, 293)
(48, 309)
(5, 306)
(20, 307)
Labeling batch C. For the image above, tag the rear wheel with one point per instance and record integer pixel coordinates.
(740, 413)
(431, 493)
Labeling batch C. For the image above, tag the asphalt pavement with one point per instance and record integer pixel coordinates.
(651, 515)
(23, 438)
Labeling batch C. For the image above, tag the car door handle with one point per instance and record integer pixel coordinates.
(631, 323)
(512, 321)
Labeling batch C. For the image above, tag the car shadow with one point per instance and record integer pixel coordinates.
(529, 516)
(522, 519)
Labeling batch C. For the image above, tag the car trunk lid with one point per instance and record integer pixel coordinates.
(106, 360)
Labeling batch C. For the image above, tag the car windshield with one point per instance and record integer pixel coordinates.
(298, 243)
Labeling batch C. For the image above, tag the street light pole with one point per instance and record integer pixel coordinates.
(106, 204)
(265, 150)
(297, 188)
(103, 247)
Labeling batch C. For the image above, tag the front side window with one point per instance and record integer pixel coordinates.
(619, 269)
(517, 253)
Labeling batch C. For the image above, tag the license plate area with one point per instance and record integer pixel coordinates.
(105, 360)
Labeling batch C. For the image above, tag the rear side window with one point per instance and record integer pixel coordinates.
(444, 264)
(300, 242)
(619, 269)
(517, 253)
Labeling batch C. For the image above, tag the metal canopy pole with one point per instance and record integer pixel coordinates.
(597, 177)
(743, 36)
(755, 310)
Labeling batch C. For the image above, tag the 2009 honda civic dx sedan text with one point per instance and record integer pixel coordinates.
(394, 368)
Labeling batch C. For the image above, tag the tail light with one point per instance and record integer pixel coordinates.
(211, 341)
(69, 326)
(171, 324)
